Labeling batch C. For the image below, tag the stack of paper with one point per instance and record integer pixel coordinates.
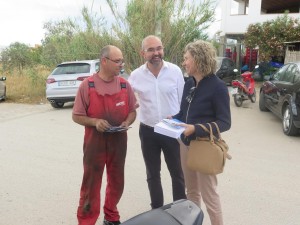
(116, 129)
(169, 127)
(172, 122)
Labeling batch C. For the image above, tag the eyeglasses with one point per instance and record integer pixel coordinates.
(152, 50)
(119, 61)
(190, 96)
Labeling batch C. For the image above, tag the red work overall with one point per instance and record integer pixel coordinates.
(102, 149)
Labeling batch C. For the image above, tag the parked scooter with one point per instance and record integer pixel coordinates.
(244, 90)
(265, 69)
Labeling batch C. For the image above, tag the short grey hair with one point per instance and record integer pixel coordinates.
(104, 52)
(148, 37)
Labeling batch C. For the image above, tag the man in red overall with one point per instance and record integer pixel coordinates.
(104, 100)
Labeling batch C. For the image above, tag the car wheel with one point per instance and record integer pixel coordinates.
(253, 97)
(57, 104)
(288, 122)
(262, 106)
(4, 95)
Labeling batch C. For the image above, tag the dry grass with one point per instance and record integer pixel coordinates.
(28, 87)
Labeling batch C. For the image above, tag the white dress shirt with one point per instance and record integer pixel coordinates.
(158, 96)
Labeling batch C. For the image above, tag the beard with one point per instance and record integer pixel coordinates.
(155, 60)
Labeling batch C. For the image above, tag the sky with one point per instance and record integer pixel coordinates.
(22, 20)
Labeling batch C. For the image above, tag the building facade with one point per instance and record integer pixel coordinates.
(237, 15)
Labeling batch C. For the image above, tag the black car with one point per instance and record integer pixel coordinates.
(226, 69)
(280, 94)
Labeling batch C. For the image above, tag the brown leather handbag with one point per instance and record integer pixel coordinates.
(208, 155)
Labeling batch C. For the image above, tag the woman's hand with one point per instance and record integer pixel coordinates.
(189, 129)
(169, 117)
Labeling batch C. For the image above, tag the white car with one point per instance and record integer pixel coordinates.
(2, 88)
(62, 84)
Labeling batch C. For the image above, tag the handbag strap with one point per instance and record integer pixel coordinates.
(211, 136)
(203, 127)
(228, 156)
(210, 130)
(218, 130)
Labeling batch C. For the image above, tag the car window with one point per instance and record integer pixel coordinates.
(219, 62)
(280, 73)
(227, 62)
(97, 67)
(230, 63)
(73, 68)
(296, 72)
(289, 75)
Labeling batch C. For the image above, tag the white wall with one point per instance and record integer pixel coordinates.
(238, 24)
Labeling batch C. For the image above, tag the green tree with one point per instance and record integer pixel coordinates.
(17, 56)
(180, 24)
(82, 38)
(74, 39)
(269, 36)
(36, 53)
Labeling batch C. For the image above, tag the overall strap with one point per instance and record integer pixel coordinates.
(91, 83)
(123, 83)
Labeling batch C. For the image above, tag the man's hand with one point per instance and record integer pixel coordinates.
(125, 124)
(102, 125)
(129, 120)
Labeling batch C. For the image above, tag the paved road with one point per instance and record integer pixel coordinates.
(41, 169)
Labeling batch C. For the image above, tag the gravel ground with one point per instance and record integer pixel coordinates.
(41, 169)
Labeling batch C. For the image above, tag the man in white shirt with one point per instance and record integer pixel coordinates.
(159, 86)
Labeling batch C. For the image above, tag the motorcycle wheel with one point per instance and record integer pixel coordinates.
(238, 100)
(253, 97)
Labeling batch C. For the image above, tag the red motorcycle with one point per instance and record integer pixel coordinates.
(244, 90)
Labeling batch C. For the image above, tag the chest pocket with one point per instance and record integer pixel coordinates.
(113, 108)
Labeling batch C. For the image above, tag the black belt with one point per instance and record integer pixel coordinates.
(144, 125)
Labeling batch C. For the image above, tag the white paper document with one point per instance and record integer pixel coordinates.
(169, 128)
(172, 122)
(116, 129)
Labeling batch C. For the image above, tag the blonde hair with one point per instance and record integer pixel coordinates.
(204, 54)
